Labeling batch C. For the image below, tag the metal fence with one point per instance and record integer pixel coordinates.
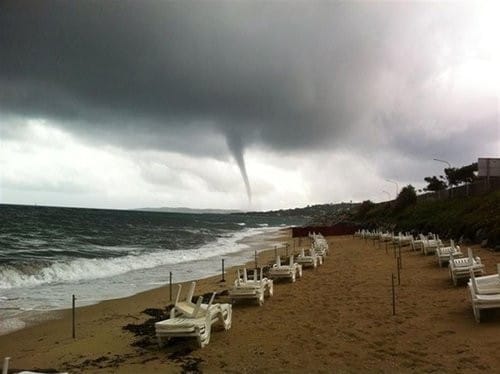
(476, 188)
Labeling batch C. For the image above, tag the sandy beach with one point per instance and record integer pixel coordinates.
(337, 318)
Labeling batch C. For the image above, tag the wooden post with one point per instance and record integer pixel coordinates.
(275, 252)
(393, 296)
(73, 317)
(255, 259)
(286, 250)
(170, 285)
(223, 280)
(398, 260)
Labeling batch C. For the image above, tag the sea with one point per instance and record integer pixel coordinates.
(48, 254)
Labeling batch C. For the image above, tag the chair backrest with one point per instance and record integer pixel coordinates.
(451, 262)
(189, 295)
(238, 277)
(179, 288)
(473, 281)
(198, 310)
(278, 260)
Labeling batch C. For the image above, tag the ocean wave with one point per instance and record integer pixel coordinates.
(85, 269)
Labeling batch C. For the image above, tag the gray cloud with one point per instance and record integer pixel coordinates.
(205, 78)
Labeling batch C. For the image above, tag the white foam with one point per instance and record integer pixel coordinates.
(11, 324)
(88, 269)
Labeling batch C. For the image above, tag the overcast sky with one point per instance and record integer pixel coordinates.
(241, 104)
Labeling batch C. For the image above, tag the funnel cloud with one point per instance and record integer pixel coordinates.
(236, 147)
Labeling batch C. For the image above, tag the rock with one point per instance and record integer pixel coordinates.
(481, 234)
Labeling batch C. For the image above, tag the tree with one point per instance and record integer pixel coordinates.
(363, 208)
(407, 197)
(465, 174)
(434, 184)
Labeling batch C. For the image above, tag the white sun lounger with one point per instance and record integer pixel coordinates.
(429, 246)
(479, 298)
(320, 246)
(443, 253)
(193, 320)
(312, 260)
(255, 288)
(291, 271)
(5, 368)
(459, 268)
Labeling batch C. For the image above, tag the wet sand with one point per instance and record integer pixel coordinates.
(337, 318)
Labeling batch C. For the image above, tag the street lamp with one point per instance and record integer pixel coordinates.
(443, 161)
(449, 167)
(397, 186)
(388, 194)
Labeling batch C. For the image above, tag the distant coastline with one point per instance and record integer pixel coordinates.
(190, 210)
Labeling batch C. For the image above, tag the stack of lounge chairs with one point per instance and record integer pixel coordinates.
(443, 254)
(429, 243)
(401, 239)
(5, 369)
(290, 271)
(460, 268)
(319, 244)
(254, 287)
(193, 320)
(311, 260)
(484, 292)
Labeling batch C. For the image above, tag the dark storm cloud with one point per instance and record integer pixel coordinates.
(175, 75)
(286, 74)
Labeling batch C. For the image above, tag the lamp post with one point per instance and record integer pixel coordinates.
(443, 161)
(450, 191)
(397, 186)
(388, 194)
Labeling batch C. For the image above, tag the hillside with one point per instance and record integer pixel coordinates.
(472, 218)
(313, 212)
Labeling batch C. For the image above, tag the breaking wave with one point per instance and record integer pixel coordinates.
(84, 269)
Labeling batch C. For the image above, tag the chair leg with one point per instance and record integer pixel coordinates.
(5, 368)
(261, 299)
(160, 342)
(477, 313)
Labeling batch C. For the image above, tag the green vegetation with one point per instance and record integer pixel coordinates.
(475, 218)
(454, 176)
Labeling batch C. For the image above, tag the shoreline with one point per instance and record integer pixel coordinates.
(29, 318)
(336, 318)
